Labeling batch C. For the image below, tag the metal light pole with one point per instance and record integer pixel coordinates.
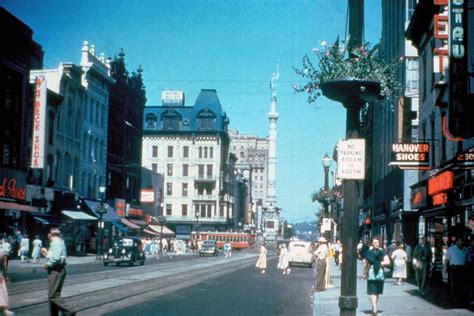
(101, 209)
(162, 221)
(326, 164)
(197, 225)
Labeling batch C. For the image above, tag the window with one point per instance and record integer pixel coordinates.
(211, 152)
(171, 119)
(209, 210)
(200, 152)
(186, 152)
(185, 170)
(184, 189)
(170, 151)
(209, 171)
(51, 128)
(205, 152)
(169, 188)
(201, 170)
(184, 210)
(154, 167)
(169, 169)
(168, 209)
(206, 120)
(150, 121)
(203, 210)
(154, 151)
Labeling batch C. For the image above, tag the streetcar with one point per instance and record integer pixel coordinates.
(238, 240)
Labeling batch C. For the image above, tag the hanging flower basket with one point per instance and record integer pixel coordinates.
(335, 62)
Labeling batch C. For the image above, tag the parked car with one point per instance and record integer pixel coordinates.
(209, 247)
(299, 252)
(125, 250)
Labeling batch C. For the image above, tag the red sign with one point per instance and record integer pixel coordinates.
(440, 183)
(8, 189)
(39, 124)
(120, 207)
(440, 199)
(418, 198)
(137, 212)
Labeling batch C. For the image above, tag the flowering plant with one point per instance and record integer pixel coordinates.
(334, 61)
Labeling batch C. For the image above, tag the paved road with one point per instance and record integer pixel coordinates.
(242, 292)
(100, 292)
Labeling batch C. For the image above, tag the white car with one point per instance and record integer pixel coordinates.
(299, 252)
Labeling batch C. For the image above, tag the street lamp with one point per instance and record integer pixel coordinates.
(162, 221)
(197, 224)
(101, 209)
(326, 164)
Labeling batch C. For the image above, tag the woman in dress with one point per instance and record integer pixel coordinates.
(3, 290)
(24, 248)
(399, 257)
(36, 254)
(283, 260)
(374, 262)
(262, 259)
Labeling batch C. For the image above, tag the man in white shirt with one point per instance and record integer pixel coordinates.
(321, 254)
(456, 261)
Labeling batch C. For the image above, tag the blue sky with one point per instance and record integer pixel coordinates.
(230, 46)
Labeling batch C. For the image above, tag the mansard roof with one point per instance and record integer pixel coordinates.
(207, 105)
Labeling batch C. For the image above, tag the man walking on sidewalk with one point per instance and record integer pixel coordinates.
(56, 267)
(421, 263)
(456, 261)
(321, 254)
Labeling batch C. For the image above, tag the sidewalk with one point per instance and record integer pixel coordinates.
(396, 300)
(73, 260)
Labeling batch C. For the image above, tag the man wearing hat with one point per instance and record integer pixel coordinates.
(320, 255)
(56, 266)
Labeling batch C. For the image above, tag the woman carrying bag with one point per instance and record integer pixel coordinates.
(374, 262)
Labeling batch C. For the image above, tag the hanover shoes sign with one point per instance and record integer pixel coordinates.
(411, 155)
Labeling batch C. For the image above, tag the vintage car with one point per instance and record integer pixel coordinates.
(299, 252)
(125, 250)
(209, 247)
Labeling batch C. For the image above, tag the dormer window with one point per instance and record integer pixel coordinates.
(151, 121)
(206, 120)
(170, 119)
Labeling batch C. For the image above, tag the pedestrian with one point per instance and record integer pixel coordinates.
(399, 258)
(56, 267)
(262, 259)
(283, 260)
(3, 288)
(337, 249)
(7, 252)
(470, 269)
(456, 261)
(374, 262)
(227, 249)
(36, 253)
(409, 252)
(321, 254)
(422, 256)
(24, 248)
(165, 247)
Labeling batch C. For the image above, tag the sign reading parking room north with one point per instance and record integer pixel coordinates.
(351, 159)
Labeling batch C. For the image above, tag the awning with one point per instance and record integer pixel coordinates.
(157, 228)
(16, 206)
(130, 224)
(138, 222)
(108, 216)
(80, 216)
(120, 227)
(150, 232)
(46, 219)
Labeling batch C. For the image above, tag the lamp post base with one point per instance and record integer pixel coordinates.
(348, 305)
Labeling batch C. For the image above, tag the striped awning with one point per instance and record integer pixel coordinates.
(79, 216)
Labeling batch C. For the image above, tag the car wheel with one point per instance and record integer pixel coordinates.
(142, 262)
(106, 264)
